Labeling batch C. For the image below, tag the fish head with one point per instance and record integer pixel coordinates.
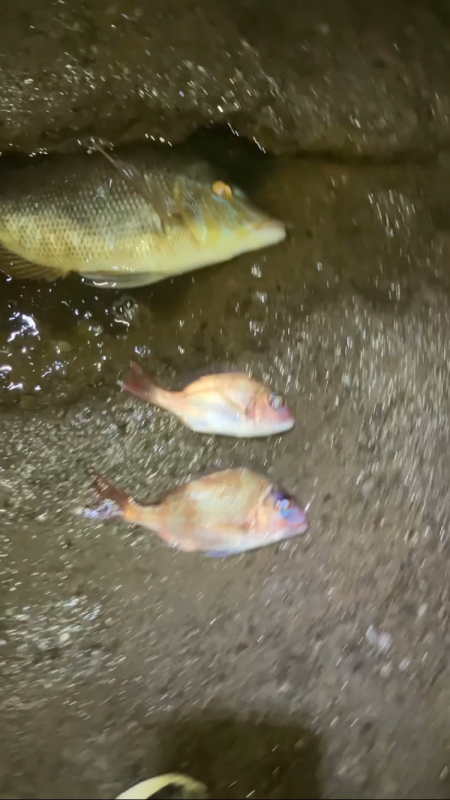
(271, 413)
(280, 515)
(230, 224)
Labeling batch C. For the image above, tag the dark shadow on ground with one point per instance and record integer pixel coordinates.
(235, 759)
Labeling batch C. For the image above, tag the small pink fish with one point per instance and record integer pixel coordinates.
(223, 513)
(229, 405)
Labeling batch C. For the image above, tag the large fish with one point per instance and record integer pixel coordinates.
(126, 220)
(227, 512)
(228, 404)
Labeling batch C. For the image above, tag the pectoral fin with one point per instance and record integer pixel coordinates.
(215, 540)
(234, 405)
(17, 267)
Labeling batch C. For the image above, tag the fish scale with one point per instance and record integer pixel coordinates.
(226, 496)
(130, 222)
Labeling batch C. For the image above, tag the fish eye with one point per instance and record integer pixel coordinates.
(283, 503)
(222, 190)
(276, 401)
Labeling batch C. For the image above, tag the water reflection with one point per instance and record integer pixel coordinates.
(26, 325)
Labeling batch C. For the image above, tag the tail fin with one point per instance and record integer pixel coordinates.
(140, 384)
(113, 502)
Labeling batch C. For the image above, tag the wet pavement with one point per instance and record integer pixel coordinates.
(344, 76)
(317, 668)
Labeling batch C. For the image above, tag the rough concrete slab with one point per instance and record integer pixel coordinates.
(345, 76)
(319, 668)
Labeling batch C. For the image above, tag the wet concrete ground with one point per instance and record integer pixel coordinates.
(348, 77)
(318, 668)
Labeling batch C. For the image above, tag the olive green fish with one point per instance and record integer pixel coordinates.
(124, 220)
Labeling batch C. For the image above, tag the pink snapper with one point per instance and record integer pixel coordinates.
(227, 512)
(231, 404)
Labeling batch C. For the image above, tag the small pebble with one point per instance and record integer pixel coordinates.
(64, 637)
(386, 670)
(385, 642)
(382, 641)
(371, 635)
(444, 774)
(368, 487)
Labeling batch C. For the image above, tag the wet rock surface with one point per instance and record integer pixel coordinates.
(319, 668)
(344, 76)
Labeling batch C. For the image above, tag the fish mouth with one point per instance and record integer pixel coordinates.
(286, 424)
(299, 524)
(285, 419)
(271, 231)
